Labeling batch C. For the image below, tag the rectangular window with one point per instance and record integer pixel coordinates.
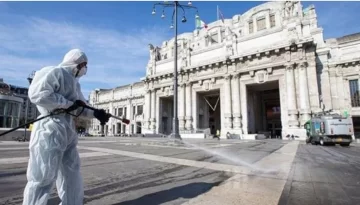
(214, 38)
(138, 127)
(118, 128)
(222, 35)
(123, 129)
(354, 93)
(140, 110)
(251, 27)
(2, 108)
(120, 111)
(272, 20)
(261, 24)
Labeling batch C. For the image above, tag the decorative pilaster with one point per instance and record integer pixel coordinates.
(333, 88)
(227, 98)
(153, 110)
(182, 106)
(236, 105)
(147, 110)
(340, 87)
(291, 97)
(325, 97)
(267, 20)
(188, 98)
(304, 93)
(254, 24)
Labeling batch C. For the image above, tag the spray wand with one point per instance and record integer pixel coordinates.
(123, 120)
(61, 111)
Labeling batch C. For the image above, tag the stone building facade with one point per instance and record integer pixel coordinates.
(265, 71)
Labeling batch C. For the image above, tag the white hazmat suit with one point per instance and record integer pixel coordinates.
(53, 152)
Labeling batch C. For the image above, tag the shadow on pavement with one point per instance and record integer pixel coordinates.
(187, 191)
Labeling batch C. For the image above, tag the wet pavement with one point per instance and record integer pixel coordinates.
(158, 171)
(324, 175)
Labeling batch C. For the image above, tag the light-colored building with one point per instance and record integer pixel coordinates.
(10, 107)
(265, 71)
(126, 101)
(28, 110)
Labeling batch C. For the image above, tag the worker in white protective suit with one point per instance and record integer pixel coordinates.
(53, 152)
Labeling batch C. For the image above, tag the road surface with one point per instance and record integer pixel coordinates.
(135, 171)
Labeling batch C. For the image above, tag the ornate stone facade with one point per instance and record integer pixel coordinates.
(275, 45)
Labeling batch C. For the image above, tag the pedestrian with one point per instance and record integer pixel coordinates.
(53, 141)
(217, 134)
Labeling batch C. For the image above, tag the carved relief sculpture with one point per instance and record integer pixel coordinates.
(183, 57)
(291, 8)
(229, 42)
(234, 44)
(261, 76)
(188, 56)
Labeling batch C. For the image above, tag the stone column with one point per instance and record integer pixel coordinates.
(182, 107)
(147, 110)
(236, 105)
(244, 107)
(116, 122)
(227, 98)
(129, 115)
(153, 110)
(304, 93)
(188, 99)
(291, 97)
(325, 88)
(340, 89)
(333, 89)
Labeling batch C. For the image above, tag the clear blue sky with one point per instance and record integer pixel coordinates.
(115, 35)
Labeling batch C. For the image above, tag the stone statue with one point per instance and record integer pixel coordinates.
(188, 56)
(157, 54)
(234, 44)
(291, 8)
(296, 6)
(206, 37)
(152, 52)
(288, 8)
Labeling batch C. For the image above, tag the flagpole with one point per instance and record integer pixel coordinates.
(217, 12)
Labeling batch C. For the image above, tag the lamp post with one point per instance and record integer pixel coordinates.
(29, 78)
(174, 26)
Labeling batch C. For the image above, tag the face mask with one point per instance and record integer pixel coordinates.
(82, 72)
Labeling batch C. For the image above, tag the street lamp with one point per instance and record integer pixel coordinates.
(175, 5)
(29, 78)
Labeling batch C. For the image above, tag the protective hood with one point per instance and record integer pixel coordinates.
(73, 58)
